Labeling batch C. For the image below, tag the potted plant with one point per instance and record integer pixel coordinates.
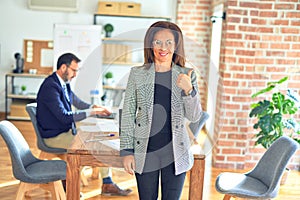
(23, 89)
(108, 29)
(108, 78)
(275, 115)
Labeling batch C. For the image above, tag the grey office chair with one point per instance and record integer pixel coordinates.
(47, 152)
(32, 172)
(196, 127)
(57, 152)
(263, 181)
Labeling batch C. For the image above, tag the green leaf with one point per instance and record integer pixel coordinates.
(277, 82)
(263, 108)
(263, 91)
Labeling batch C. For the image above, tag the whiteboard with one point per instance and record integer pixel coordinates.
(85, 42)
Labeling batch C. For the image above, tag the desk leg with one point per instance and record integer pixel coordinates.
(197, 179)
(73, 177)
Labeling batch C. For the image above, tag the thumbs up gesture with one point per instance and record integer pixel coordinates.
(184, 82)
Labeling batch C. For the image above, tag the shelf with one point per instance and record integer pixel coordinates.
(20, 96)
(27, 75)
(109, 87)
(18, 100)
(122, 63)
(17, 118)
(128, 16)
(125, 40)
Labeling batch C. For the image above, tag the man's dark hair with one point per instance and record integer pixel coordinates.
(67, 58)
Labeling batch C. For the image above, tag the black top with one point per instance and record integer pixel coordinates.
(161, 129)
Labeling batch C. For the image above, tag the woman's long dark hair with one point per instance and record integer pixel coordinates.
(178, 56)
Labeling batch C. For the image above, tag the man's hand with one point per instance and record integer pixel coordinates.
(100, 110)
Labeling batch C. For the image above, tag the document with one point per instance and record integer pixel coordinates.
(114, 144)
(92, 124)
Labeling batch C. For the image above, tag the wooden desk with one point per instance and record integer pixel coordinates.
(83, 153)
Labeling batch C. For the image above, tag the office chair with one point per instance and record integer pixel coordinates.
(47, 152)
(32, 172)
(196, 127)
(263, 181)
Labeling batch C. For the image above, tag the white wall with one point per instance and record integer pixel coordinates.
(17, 23)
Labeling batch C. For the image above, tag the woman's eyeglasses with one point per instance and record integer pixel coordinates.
(159, 43)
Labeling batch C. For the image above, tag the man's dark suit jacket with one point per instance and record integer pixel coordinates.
(54, 114)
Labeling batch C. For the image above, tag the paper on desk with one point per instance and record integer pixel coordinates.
(104, 125)
(114, 144)
(90, 120)
(90, 128)
(107, 125)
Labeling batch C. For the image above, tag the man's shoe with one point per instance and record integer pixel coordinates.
(113, 190)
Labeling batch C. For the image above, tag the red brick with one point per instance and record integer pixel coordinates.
(254, 13)
(233, 36)
(285, 62)
(293, 54)
(291, 38)
(241, 99)
(229, 59)
(264, 61)
(265, 5)
(275, 69)
(236, 68)
(293, 15)
(234, 44)
(275, 53)
(281, 22)
(247, 29)
(268, 14)
(290, 30)
(233, 19)
(246, 60)
(265, 30)
(236, 158)
(245, 52)
(295, 46)
(225, 143)
(249, 4)
(258, 21)
(284, 6)
(230, 151)
(237, 12)
(233, 107)
(252, 37)
(295, 23)
(280, 46)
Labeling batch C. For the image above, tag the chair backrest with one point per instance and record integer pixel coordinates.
(31, 110)
(20, 154)
(195, 127)
(272, 164)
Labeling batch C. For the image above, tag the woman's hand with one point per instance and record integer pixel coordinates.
(184, 82)
(129, 164)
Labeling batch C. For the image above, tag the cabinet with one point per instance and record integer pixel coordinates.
(17, 100)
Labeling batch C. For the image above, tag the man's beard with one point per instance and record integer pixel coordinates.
(65, 76)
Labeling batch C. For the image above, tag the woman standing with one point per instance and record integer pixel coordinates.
(159, 96)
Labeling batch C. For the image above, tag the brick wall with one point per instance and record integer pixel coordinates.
(193, 19)
(260, 43)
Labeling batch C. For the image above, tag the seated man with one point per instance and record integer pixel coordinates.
(55, 118)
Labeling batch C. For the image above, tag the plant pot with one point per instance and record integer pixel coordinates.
(284, 176)
(108, 81)
(108, 34)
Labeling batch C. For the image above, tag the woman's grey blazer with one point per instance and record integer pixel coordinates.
(137, 116)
